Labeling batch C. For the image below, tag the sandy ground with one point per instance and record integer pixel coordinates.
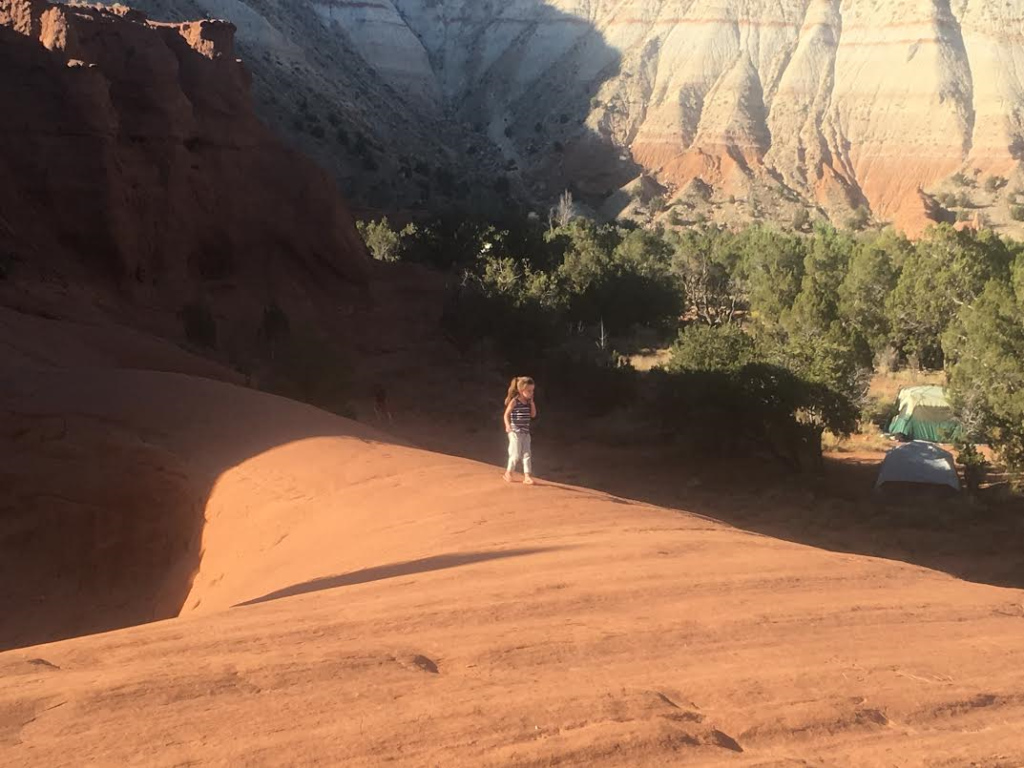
(358, 601)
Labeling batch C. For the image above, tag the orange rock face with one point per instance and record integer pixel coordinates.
(134, 172)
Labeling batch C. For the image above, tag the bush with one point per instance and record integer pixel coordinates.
(383, 242)
(986, 351)
(870, 278)
(707, 348)
(858, 219)
(944, 271)
(1017, 212)
(974, 465)
(879, 411)
(521, 328)
(199, 324)
(757, 407)
(961, 180)
(593, 386)
(801, 219)
(995, 183)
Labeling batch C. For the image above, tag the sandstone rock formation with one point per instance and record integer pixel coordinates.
(347, 600)
(135, 177)
(842, 102)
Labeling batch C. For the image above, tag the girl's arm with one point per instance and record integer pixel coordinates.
(508, 415)
(533, 408)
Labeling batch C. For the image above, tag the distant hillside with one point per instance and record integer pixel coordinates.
(820, 105)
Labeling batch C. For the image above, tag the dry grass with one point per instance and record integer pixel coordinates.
(649, 359)
(887, 385)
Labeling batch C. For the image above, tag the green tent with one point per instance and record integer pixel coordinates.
(925, 414)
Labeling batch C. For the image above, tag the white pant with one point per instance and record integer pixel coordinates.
(519, 448)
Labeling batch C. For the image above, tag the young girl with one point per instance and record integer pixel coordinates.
(519, 411)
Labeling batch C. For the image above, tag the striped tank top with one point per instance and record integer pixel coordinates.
(520, 416)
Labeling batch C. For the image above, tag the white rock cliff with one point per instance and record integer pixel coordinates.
(843, 102)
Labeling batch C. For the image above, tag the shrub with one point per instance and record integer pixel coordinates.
(870, 278)
(801, 219)
(593, 386)
(1017, 212)
(995, 183)
(756, 407)
(707, 348)
(986, 349)
(961, 180)
(383, 242)
(199, 324)
(974, 464)
(701, 190)
(879, 411)
(859, 218)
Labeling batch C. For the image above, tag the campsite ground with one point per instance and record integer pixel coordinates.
(978, 539)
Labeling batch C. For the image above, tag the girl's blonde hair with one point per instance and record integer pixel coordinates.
(519, 383)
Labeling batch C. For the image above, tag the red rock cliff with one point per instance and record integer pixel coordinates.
(134, 172)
